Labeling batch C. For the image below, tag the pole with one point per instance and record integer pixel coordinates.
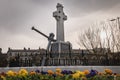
(118, 22)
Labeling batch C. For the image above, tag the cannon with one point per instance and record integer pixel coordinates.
(50, 38)
(56, 47)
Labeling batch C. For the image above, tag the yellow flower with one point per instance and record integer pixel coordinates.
(86, 72)
(58, 70)
(50, 72)
(101, 73)
(108, 71)
(10, 73)
(23, 72)
(32, 73)
(81, 74)
(15, 73)
(77, 71)
(76, 75)
(118, 75)
(3, 78)
(58, 74)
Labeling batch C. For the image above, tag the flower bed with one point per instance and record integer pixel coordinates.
(59, 74)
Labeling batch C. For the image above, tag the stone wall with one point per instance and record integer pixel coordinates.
(115, 69)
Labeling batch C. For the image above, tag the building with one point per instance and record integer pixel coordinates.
(3, 59)
(25, 57)
(35, 57)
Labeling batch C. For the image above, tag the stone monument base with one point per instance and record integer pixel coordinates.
(60, 47)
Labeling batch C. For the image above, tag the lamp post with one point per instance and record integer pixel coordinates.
(117, 20)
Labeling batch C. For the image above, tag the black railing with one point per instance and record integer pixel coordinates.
(68, 62)
(65, 60)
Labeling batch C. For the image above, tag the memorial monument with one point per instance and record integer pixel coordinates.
(57, 45)
(60, 46)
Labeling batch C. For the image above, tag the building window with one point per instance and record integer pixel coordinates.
(25, 54)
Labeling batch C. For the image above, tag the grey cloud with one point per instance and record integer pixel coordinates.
(13, 13)
(80, 7)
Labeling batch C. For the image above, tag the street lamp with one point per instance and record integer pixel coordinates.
(117, 20)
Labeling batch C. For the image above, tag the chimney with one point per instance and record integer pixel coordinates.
(28, 48)
(9, 49)
(24, 48)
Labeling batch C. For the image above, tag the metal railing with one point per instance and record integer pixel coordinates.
(67, 62)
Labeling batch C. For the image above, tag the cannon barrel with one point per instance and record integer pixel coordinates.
(39, 32)
(50, 37)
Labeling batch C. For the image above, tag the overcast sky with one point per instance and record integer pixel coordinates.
(18, 16)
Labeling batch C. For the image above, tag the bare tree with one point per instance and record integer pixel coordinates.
(115, 32)
(96, 42)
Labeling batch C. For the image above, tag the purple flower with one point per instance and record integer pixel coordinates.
(42, 72)
(92, 73)
(37, 71)
(66, 72)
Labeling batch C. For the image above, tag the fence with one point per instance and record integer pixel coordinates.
(67, 62)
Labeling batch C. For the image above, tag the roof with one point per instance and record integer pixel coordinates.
(26, 50)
